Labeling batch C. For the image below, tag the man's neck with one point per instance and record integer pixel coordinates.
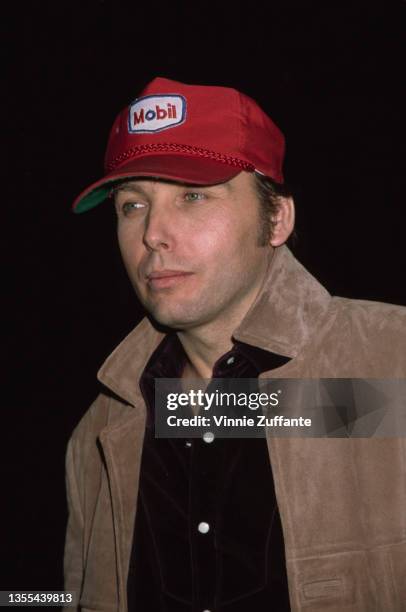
(204, 345)
(202, 354)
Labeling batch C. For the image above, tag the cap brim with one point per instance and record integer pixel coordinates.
(192, 170)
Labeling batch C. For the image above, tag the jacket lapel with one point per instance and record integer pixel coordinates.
(287, 309)
(122, 370)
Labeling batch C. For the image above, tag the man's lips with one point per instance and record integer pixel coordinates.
(160, 279)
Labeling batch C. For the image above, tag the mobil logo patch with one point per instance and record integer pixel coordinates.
(156, 113)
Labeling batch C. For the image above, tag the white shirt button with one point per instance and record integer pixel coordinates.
(188, 444)
(208, 436)
(230, 360)
(203, 527)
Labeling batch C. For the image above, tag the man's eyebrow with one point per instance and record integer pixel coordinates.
(128, 187)
(199, 186)
(136, 188)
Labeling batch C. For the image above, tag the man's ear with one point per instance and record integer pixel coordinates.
(284, 221)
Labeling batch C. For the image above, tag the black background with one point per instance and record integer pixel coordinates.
(330, 74)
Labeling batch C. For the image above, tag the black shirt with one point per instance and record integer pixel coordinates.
(207, 533)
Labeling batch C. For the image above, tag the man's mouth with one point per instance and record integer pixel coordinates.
(162, 279)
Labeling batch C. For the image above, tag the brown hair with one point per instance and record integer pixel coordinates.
(269, 193)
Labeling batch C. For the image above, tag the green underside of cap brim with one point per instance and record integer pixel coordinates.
(94, 198)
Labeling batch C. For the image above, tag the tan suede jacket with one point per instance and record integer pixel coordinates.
(342, 501)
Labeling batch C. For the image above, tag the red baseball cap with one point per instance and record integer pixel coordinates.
(189, 133)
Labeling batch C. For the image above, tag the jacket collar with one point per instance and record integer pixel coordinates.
(282, 319)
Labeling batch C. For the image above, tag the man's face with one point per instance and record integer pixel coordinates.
(191, 252)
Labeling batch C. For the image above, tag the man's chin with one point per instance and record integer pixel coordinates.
(175, 321)
(167, 319)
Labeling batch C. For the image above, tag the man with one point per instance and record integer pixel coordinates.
(213, 524)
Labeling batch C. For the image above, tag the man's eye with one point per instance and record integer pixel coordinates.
(194, 196)
(128, 207)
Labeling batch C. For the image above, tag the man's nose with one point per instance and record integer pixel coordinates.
(159, 228)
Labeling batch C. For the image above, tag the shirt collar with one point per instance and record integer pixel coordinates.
(169, 358)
